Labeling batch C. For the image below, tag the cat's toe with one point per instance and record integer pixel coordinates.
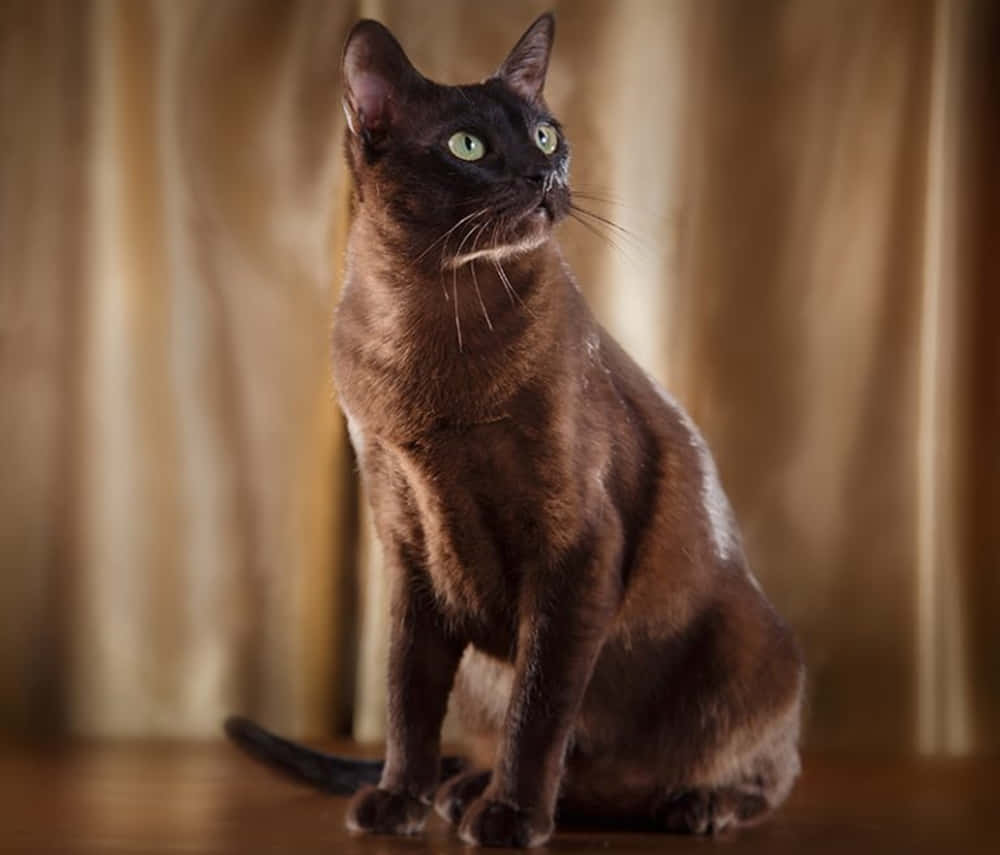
(456, 794)
(492, 823)
(687, 812)
(707, 811)
(381, 811)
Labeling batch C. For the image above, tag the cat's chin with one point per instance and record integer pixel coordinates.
(542, 214)
(536, 224)
(552, 208)
(532, 229)
(521, 245)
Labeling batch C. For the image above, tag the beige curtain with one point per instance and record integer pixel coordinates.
(810, 196)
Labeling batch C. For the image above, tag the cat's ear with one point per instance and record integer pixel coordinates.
(378, 79)
(524, 68)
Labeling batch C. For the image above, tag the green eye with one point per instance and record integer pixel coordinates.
(546, 138)
(465, 146)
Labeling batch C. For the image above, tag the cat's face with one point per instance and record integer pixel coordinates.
(455, 173)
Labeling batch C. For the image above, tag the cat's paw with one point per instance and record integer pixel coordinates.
(707, 811)
(710, 811)
(492, 823)
(456, 794)
(384, 812)
(688, 812)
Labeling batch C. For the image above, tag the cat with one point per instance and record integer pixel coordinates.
(561, 556)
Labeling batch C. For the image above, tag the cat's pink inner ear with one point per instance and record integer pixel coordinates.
(377, 77)
(370, 96)
(525, 67)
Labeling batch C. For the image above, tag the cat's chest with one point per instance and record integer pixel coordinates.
(472, 501)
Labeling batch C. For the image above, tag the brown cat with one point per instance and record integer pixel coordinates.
(558, 544)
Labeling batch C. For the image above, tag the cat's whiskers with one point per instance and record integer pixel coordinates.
(458, 252)
(619, 229)
(503, 279)
(479, 294)
(454, 284)
(575, 213)
(511, 291)
(458, 320)
(477, 232)
(606, 199)
(449, 232)
(590, 227)
(506, 282)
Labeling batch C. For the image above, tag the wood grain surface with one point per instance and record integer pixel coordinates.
(208, 798)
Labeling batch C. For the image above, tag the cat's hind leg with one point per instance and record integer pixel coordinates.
(680, 810)
(745, 798)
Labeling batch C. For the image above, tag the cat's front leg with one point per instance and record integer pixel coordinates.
(423, 658)
(566, 611)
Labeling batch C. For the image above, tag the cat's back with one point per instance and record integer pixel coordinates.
(665, 464)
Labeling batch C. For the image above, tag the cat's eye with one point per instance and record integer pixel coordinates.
(465, 146)
(546, 138)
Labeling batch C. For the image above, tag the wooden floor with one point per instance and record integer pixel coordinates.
(208, 798)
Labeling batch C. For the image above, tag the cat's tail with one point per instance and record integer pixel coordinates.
(339, 776)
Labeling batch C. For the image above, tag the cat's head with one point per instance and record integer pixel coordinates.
(455, 172)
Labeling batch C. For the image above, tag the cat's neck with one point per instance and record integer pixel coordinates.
(464, 338)
(483, 300)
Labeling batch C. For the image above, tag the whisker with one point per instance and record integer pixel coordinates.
(458, 254)
(606, 197)
(503, 278)
(479, 294)
(505, 282)
(444, 236)
(510, 288)
(479, 233)
(602, 235)
(454, 283)
(458, 322)
(594, 197)
(621, 230)
(468, 234)
(604, 192)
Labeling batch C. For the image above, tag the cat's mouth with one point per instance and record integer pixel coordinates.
(538, 217)
(553, 203)
(545, 208)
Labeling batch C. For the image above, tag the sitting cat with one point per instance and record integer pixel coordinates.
(558, 545)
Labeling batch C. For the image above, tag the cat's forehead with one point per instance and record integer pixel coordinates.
(490, 101)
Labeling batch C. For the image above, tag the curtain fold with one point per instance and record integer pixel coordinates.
(806, 198)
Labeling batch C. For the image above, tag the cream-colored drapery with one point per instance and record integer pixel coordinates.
(809, 192)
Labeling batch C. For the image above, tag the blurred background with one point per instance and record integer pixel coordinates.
(810, 191)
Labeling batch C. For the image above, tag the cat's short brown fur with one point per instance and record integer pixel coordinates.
(555, 536)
